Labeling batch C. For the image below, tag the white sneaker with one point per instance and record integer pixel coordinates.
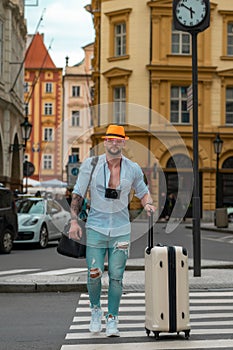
(96, 318)
(111, 326)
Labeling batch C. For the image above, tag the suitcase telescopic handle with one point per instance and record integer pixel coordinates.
(150, 233)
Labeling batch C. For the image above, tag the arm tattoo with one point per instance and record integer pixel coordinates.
(76, 205)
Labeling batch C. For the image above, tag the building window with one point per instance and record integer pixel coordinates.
(181, 43)
(48, 88)
(178, 109)
(47, 161)
(75, 91)
(1, 47)
(229, 105)
(120, 39)
(26, 86)
(119, 97)
(75, 120)
(230, 39)
(119, 34)
(48, 108)
(48, 134)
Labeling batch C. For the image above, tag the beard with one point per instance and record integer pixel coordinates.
(114, 151)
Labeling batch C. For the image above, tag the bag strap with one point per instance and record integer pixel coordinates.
(93, 163)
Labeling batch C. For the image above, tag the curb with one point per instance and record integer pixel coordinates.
(42, 288)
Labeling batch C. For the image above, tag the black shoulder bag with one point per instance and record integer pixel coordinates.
(75, 248)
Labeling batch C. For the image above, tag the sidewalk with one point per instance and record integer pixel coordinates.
(214, 275)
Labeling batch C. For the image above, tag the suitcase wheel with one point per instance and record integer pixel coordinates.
(147, 332)
(187, 334)
(156, 334)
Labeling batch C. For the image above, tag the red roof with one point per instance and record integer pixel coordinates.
(37, 55)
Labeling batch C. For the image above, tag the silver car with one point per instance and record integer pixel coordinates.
(40, 220)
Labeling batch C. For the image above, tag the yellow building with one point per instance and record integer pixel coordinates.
(43, 100)
(142, 73)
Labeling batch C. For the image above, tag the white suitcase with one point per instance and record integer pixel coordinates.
(166, 289)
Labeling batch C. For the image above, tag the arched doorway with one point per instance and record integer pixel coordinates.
(178, 164)
(226, 183)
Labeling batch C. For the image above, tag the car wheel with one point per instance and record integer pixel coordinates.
(6, 242)
(230, 217)
(44, 237)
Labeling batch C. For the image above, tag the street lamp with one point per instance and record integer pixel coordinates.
(218, 142)
(26, 129)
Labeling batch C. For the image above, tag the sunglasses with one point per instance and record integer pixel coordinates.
(118, 141)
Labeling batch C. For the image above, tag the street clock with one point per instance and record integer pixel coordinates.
(191, 15)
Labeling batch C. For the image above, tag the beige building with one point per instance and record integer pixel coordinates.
(142, 73)
(77, 118)
(12, 48)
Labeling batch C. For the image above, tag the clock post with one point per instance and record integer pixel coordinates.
(193, 16)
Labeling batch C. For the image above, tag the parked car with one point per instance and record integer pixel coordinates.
(40, 220)
(8, 220)
(230, 214)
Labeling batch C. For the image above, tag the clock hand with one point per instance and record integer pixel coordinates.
(188, 8)
(191, 12)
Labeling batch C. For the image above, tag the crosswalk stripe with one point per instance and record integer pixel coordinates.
(141, 325)
(210, 315)
(121, 309)
(15, 272)
(142, 333)
(213, 294)
(174, 345)
(121, 317)
(123, 301)
(59, 272)
(213, 307)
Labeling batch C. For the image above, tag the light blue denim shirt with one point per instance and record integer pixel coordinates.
(110, 216)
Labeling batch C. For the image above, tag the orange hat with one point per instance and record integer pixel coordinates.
(115, 132)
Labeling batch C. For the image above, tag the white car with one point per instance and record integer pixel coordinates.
(230, 214)
(40, 220)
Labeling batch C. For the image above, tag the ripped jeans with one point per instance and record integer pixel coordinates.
(98, 245)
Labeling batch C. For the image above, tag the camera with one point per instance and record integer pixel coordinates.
(112, 193)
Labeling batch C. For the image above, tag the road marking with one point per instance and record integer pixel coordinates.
(59, 272)
(160, 345)
(15, 272)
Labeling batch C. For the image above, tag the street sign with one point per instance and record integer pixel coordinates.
(28, 168)
(72, 173)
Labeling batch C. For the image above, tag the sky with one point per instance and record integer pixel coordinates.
(66, 26)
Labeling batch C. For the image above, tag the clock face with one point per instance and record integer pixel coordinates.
(190, 12)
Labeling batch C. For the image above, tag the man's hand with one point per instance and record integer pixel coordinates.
(75, 231)
(149, 208)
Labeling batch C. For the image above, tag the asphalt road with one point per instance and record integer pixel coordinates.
(35, 321)
(214, 246)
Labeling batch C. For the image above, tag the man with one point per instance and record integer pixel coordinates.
(108, 226)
